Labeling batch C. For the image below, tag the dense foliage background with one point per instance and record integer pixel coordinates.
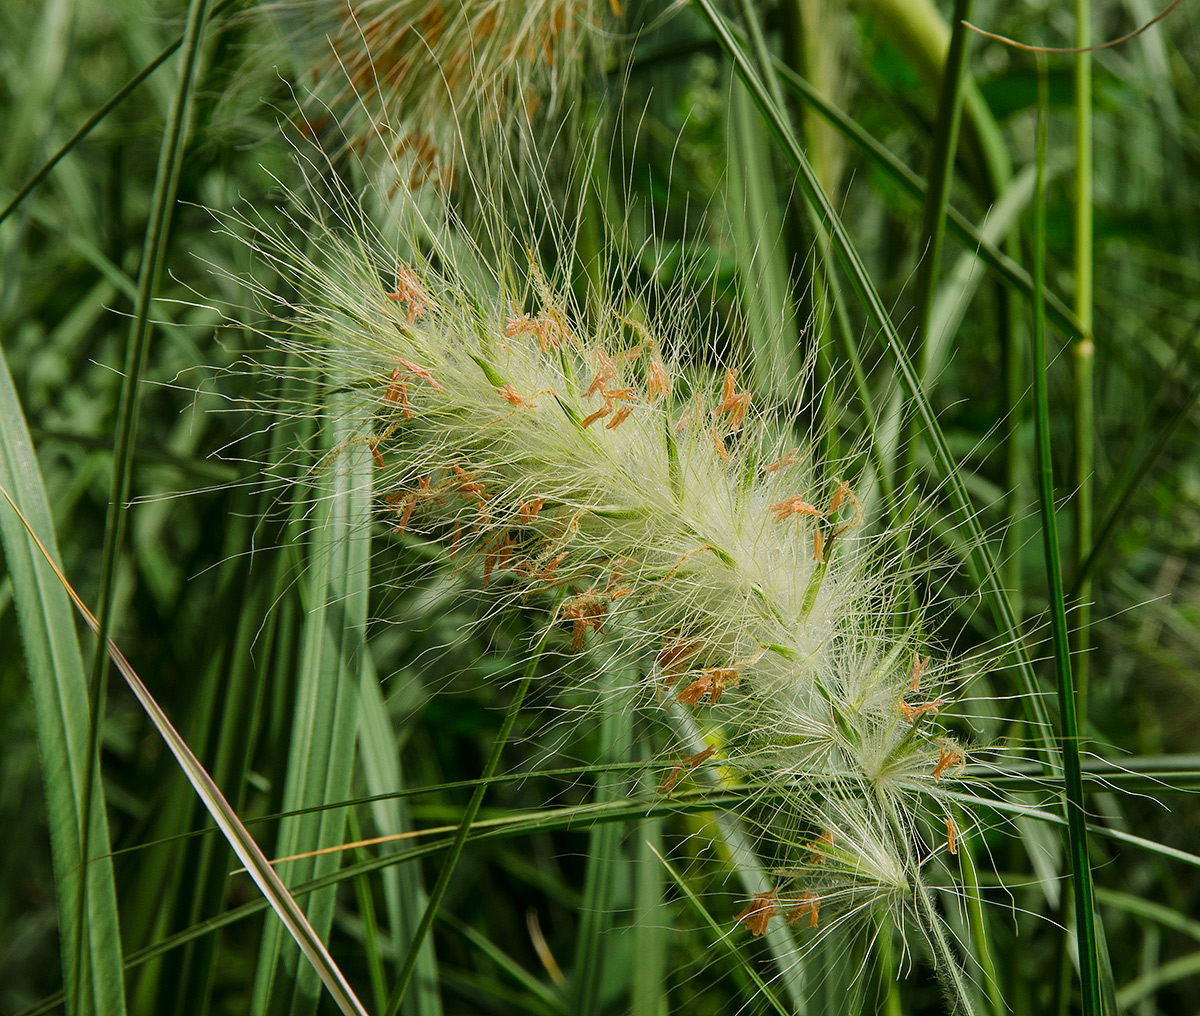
(551, 909)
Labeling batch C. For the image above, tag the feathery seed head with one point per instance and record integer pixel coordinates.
(556, 452)
(411, 83)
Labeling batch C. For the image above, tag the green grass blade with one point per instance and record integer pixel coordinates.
(460, 837)
(320, 760)
(756, 225)
(1081, 870)
(977, 918)
(404, 895)
(586, 990)
(59, 691)
(648, 987)
(1083, 351)
(230, 825)
(981, 559)
(937, 199)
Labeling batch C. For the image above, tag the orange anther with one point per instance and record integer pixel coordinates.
(674, 655)
(720, 444)
(656, 379)
(547, 573)
(584, 611)
(734, 403)
(373, 444)
(918, 671)
(409, 290)
(950, 757)
(605, 372)
(529, 510)
(712, 682)
(518, 325)
(420, 372)
(467, 484)
(406, 514)
(819, 848)
(839, 496)
(618, 417)
(818, 546)
(510, 394)
(683, 767)
(788, 460)
(604, 410)
(758, 914)
(951, 836)
(808, 903)
(398, 391)
(914, 713)
(793, 506)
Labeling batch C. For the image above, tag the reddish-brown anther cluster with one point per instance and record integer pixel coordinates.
(546, 327)
(585, 611)
(791, 506)
(808, 904)
(950, 757)
(758, 914)
(674, 656)
(819, 849)
(683, 767)
(409, 290)
(733, 402)
(712, 682)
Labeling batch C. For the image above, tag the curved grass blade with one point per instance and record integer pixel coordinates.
(273, 890)
(1083, 352)
(320, 756)
(58, 687)
(96, 118)
(980, 559)
(648, 985)
(1081, 869)
(723, 937)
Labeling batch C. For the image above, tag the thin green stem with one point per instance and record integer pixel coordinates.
(937, 200)
(977, 918)
(1084, 350)
(1081, 871)
(460, 837)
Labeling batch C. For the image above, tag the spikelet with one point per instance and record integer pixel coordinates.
(569, 459)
